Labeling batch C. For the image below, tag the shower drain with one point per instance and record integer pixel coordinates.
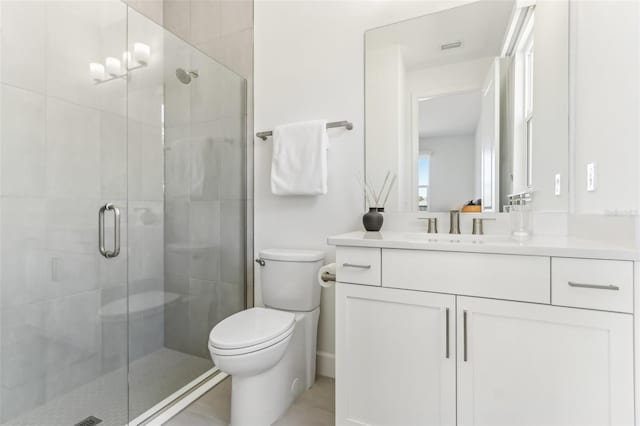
(89, 421)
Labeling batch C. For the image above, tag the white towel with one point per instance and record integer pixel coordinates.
(299, 165)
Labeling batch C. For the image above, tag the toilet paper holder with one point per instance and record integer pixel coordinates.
(327, 276)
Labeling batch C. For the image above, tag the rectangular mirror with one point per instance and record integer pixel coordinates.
(467, 105)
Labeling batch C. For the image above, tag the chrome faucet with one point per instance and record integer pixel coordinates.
(454, 221)
(432, 225)
(477, 225)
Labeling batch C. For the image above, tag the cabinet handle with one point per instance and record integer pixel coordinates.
(464, 336)
(354, 265)
(594, 286)
(446, 321)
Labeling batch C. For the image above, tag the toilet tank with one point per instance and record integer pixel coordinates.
(289, 279)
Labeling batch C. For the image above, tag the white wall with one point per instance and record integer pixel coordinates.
(551, 105)
(309, 63)
(605, 70)
(450, 190)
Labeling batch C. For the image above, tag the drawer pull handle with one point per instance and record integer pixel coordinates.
(464, 336)
(447, 331)
(353, 265)
(594, 286)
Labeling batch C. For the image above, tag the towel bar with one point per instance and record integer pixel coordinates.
(346, 124)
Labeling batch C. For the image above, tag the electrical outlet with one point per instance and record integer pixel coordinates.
(591, 177)
(556, 191)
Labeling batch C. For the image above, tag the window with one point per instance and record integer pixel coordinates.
(424, 163)
(523, 97)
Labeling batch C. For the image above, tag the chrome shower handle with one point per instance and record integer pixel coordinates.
(116, 231)
(103, 250)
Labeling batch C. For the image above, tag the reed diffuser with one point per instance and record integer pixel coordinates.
(373, 219)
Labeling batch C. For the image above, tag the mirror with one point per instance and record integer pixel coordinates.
(450, 101)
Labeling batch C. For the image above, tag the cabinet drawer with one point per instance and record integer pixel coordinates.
(593, 284)
(524, 278)
(358, 265)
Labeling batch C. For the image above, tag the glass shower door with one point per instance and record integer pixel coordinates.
(101, 110)
(187, 203)
(63, 155)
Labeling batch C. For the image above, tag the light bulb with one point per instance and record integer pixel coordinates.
(114, 66)
(141, 53)
(96, 71)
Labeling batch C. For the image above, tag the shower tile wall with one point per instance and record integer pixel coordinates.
(62, 155)
(205, 203)
(223, 29)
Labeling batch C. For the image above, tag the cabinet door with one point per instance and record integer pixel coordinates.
(527, 364)
(392, 362)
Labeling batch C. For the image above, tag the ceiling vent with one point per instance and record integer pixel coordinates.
(452, 45)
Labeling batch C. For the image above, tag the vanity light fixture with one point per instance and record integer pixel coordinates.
(452, 45)
(113, 67)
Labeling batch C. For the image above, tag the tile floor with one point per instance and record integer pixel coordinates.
(151, 379)
(315, 407)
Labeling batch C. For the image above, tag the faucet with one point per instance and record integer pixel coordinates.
(432, 225)
(477, 225)
(454, 221)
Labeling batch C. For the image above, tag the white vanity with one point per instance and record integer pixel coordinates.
(433, 329)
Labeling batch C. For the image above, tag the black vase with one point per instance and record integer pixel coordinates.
(372, 220)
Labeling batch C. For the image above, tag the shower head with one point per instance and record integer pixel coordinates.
(186, 76)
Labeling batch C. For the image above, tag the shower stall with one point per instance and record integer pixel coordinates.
(123, 226)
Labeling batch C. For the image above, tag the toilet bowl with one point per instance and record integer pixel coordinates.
(270, 352)
(252, 341)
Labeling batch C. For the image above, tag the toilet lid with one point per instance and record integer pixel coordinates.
(250, 328)
(292, 255)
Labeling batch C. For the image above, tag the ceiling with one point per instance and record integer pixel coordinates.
(450, 115)
(481, 26)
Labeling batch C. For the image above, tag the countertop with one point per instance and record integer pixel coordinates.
(498, 244)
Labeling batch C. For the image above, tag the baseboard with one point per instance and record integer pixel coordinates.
(326, 364)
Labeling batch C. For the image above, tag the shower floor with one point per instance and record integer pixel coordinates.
(152, 378)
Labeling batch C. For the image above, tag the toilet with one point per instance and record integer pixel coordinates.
(270, 352)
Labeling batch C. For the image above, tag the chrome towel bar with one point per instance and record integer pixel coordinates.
(346, 124)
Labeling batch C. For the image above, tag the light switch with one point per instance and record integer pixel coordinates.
(591, 177)
(556, 191)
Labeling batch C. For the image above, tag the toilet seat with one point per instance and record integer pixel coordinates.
(250, 331)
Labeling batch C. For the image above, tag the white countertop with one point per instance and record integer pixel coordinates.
(501, 244)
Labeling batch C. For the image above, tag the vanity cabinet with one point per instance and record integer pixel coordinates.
(529, 364)
(428, 347)
(396, 362)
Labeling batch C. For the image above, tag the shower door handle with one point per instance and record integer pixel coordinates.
(116, 231)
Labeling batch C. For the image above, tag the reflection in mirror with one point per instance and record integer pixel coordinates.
(449, 107)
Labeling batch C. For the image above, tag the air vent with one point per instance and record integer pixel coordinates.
(89, 421)
(452, 45)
